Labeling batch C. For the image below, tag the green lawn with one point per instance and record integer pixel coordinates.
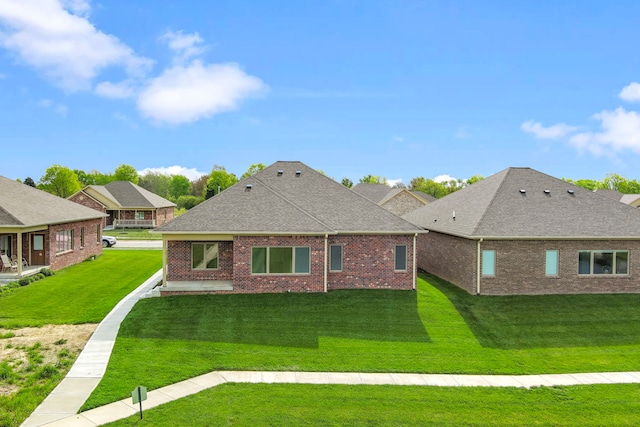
(83, 293)
(334, 405)
(133, 234)
(438, 329)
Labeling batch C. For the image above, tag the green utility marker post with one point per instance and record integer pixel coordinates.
(138, 395)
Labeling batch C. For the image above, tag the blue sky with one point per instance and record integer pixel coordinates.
(393, 88)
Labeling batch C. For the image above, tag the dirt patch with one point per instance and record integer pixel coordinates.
(49, 340)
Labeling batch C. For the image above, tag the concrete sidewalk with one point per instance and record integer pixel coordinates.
(87, 371)
(125, 408)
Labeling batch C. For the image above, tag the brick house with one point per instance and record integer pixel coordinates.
(126, 205)
(287, 228)
(45, 230)
(523, 232)
(400, 201)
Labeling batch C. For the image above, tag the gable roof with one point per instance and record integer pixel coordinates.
(381, 193)
(25, 206)
(282, 201)
(126, 195)
(546, 208)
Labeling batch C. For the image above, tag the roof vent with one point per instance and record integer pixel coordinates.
(280, 172)
(249, 187)
(523, 191)
(547, 192)
(570, 191)
(298, 173)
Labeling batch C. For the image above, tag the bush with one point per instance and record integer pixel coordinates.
(46, 272)
(188, 202)
(24, 281)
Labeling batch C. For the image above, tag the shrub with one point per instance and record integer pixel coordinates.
(24, 281)
(40, 276)
(47, 272)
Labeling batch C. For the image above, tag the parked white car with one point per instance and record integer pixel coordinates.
(108, 241)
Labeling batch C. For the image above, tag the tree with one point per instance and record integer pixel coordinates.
(29, 181)
(219, 180)
(373, 179)
(126, 173)
(428, 186)
(199, 186)
(619, 183)
(589, 184)
(188, 202)
(473, 180)
(59, 180)
(157, 183)
(179, 186)
(347, 182)
(253, 169)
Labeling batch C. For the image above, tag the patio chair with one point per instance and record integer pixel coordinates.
(14, 260)
(7, 264)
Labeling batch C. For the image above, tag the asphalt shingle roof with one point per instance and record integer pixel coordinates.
(130, 196)
(548, 208)
(287, 202)
(25, 206)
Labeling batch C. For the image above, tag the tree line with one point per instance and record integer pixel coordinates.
(64, 182)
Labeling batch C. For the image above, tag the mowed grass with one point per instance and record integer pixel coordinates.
(438, 329)
(335, 405)
(83, 293)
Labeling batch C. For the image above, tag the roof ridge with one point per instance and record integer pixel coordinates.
(493, 198)
(283, 197)
(11, 215)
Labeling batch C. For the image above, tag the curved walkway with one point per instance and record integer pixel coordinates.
(61, 406)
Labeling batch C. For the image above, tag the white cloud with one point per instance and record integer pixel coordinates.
(183, 94)
(184, 46)
(619, 130)
(631, 92)
(556, 131)
(394, 182)
(191, 173)
(59, 109)
(120, 90)
(62, 43)
(444, 178)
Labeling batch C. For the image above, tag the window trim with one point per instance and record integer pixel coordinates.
(293, 261)
(557, 263)
(61, 247)
(335, 270)
(395, 258)
(81, 237)
(204, 251)
(493, 265)
(614, 267)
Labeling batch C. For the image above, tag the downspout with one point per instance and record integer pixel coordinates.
(415, 268)
(479, 272)
(326, 258)
(165, 247)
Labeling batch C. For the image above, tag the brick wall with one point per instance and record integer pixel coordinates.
(402, 203)
(179, 261)
(78, 254)
(245, 282)
(368, 262)
(451, 258)
(85, 200)
(520, 268)
(164, 215)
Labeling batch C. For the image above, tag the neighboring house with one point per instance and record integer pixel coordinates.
(46, 230)
(397, 200)
(523, 232)
(627, 199)
(126, 204)
(287, 228)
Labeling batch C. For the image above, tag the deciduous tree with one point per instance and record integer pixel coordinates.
(219, 180)
(59, 180)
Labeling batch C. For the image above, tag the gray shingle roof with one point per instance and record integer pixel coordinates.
(373, 192)
(131, 196)
(288, 203)
(25, 206)
(496, 208)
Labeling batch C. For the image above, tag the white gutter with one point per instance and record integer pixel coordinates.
(415, 268)
(479, 272)
(326, 258)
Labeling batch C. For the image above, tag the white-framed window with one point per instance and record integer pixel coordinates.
(603, 262)
(99, 233)
(489, 262)
(204, 256)
(5, 245)
(335, 258)
(551, 263)
(280, 260)
(401, 258)
(139, 215)
(64, 241)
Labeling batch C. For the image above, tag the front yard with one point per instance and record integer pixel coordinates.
(438, 329)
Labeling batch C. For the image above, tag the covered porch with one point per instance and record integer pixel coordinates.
(12, 276)
(28, 245)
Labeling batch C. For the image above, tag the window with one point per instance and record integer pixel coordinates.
(64, 241)
(139, 215)
(81, 237)
(401, 258)
(603, 262)
(551, 263)
(280, 260)
(5, 245)
(204, 256)
(489, 263)
(335, 258)
(98, 236)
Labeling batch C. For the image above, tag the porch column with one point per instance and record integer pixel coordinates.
(19, 253)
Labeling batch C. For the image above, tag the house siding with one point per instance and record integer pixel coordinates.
(402, 203)
(452, 258)
(368, 262)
